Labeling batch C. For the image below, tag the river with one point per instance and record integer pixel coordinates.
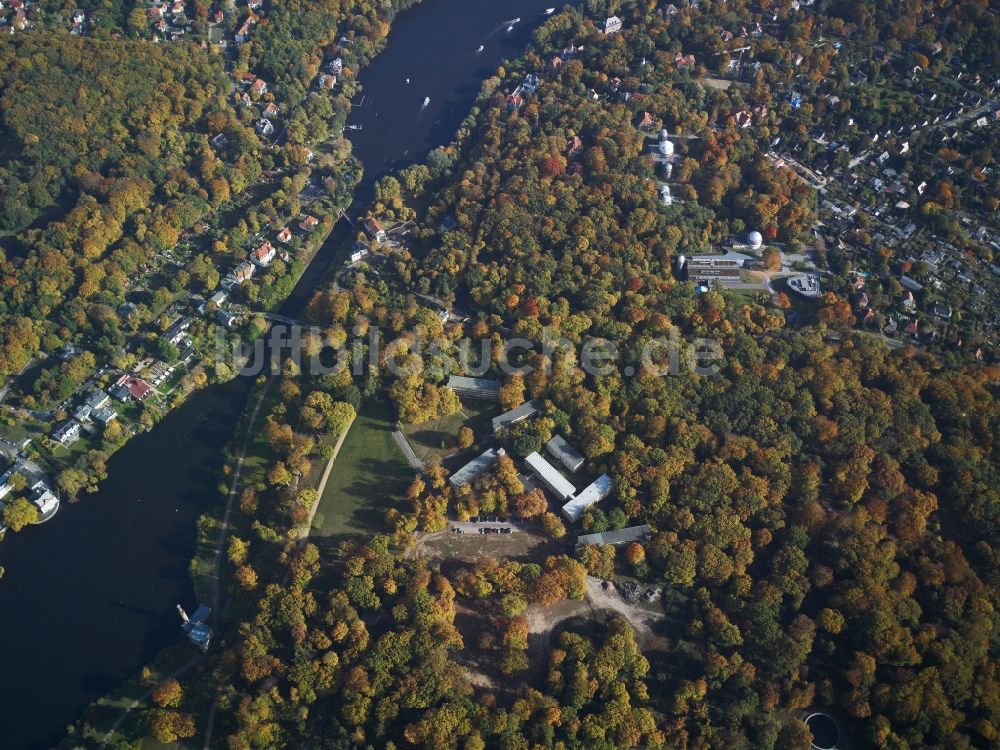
(89, 597)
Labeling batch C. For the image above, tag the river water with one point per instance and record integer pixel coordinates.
(89, 597)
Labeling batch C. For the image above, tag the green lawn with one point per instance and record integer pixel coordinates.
(370, 473)
(436, 440)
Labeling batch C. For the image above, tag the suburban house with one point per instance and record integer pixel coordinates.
(284, 235)
(105, 415)
(263, 255)
(98, 400)
(67, 433)
(475, 467)
(593, 493)
(309, 223)
(129, 385)
(612, 25)
(264, 127)
(176, 332)
(359, 251)
(44, 499)
(475, 387)
(374, 229)
(565, 453)
(621, 536)
(259, 87)
(218, 298)
(243, 33)
(515, 415)
(556, 483)
(226, 318)
(242, 272)
(271, 110)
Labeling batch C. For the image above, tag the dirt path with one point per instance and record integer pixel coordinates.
(215, 575)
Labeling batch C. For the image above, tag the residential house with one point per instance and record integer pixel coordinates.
(242, 272)
(309, 223)
(612, 25)
(259, 87)
(359, 251)
(226, 318)
(176, 332)
(271, 110)
(648, 122)
(137, 388)
(263, 255)
(264, 127)
(67, 433)
(105, 415)
(285, 234)
(243, 33)
(374, 229)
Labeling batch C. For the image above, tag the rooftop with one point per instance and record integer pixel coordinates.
(594, 493)
(475, 467)
(556, 482)
(620, 536)
(525, 410)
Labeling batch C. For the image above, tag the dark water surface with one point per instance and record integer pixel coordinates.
(89, 597)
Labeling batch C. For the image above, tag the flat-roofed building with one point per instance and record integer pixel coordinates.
(724, 268)
(556, 483)
(621, 536)
(565, 453)
(517, 414)
(475, 467)
(475, 387)
(599, 489)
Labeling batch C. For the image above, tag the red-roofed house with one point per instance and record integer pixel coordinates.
(263, 255)
(285, 235)
(259, 87)
(309, 223)
(138, 388)
(374, 229)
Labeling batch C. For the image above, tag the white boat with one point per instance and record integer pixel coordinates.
(481, 48)
(510, 28)
(427, 100)
(407, 80)
(549, 11)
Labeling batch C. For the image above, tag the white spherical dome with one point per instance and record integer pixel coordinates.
(667, 147)
(755, 240)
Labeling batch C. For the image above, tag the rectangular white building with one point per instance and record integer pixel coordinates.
(594, 493)
(557, 484)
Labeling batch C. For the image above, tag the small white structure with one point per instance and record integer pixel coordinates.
(665, 197)
(565, 453)
(755, 240)
(666, 146)
(612, 25)
(679, 263)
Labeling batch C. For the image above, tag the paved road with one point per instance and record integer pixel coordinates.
(404, 446)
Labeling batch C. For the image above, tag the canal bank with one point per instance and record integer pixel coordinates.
(89, 598)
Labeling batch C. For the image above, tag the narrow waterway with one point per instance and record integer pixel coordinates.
(88, 598)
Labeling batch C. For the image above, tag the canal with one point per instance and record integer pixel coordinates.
(89, 597)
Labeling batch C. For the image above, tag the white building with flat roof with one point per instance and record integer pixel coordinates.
(599, 489)
(557, 484)
(475, 387)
